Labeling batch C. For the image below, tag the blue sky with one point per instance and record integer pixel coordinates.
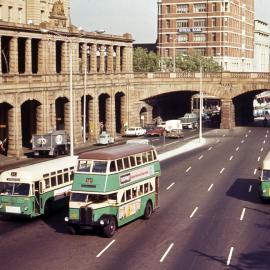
(138, 17)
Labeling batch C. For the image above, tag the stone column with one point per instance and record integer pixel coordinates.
(227, 114)
(130, 59)
(13, 59)
(93, 58)
(125, 60)
(75, 57)
(84, 57)
(52, 124)
(110, 115)
(65, 58)
(53, 57)
(110, 68)
(124, 109)
(40, 120)
(42, 56)
(28, 56)
(94, 119)
(102, 59)
(77, 127)
(118, 60)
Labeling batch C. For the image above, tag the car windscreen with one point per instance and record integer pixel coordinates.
(20, 189)
(266, 175)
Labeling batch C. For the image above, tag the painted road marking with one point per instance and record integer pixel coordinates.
(246, 136)
(172, 143)
(102, 251)
(217, 141)
(249, 131)
(223, 135)
(193, 213)
(155, 140)
(242, 141)
(166, 253)
(231, 157)
(264, 142)
(237, 148)
(259, 158)
(210, 187)
(250, 188)
(255, 171)
(210, 148)
(243, 213)
(172, 184)
(266, 136)
(261, 149)
(222, 170)
(200, 157)
(188, 169)
(230, 256)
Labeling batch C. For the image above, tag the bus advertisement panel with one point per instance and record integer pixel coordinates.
(114, 186)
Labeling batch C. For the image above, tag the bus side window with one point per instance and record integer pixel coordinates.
(123, 197)
(139, 159)
(112, 196)
(60, 177)
(126, 162)
(154, 155)
(119, 164)
(128, 194)
(66, 175)
(146, 188)
(151, 187)
(134, 192)
(71, 175)
(132, 161)
(141, 190)
(53, 181)
(149, 155)
(112, 166)
(144, 157)
(47, 182)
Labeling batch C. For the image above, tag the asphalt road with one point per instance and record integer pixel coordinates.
(210, 218)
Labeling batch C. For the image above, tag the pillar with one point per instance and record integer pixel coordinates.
(40, 120)
(77, 123)
(13, 59)
(84, 57)
(118, 60)
(42, 56)
(125, 60)
(65, 58)
(93, 58)
(110, 68)
(227, 114)
(94, 119)
(28, 56)
(102, 59)
(110, 115)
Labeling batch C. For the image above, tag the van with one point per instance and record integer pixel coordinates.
(171, 124)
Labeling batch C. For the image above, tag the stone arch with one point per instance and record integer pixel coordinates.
(62, 107)
(120, 112)
(31, 119)
(104, 109)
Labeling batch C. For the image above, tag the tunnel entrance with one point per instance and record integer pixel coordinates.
(104, 106)
(61, 113)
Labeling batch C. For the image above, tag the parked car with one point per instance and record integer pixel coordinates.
(135, 131)
(155, 131)
(175, 133)
(105, 138)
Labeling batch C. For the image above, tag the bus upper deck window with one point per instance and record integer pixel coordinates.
(149, 155)
(126, 162)
(132, 161)
(99, 166)
(139, 159)
(112, 166)
(120, 164)
(47, 183)
(154, 155)
(144, 157)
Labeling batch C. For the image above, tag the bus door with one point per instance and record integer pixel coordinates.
(37, 196)
(157, 191)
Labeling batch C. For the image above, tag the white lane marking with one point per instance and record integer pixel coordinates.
(237, 148)
(170, 186)
(231, 157)
(242, 141)
(266, 136)
(261, 149)
(188, 169)
(102, 251)
(222, 170)
(255, 171)
(249, 131)
(166, 253)
(259, 158)
(264, 142)
(192, 137)
(200, 157)
(230, 256)
(210, 187)
(250, 188)
(154, 140)
(223, 135)
(217, 141)
(172, 143)
(210, 148)
(267, 131)
(194, 211)
(243, 213)
(246, 135)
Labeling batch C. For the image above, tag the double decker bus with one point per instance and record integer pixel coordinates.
(113, 186)
(38, 188)
(264, 189)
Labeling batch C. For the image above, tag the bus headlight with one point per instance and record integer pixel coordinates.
(1, 206)
(25, 208)
(66, 219)
(101, 222)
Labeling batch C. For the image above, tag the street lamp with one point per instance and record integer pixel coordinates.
(201, 104)
(70, 91)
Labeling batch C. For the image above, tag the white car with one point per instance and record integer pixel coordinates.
(135, 131)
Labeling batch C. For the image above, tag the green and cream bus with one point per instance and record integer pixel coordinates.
(113, 186)
(265, 179)
(38, 188)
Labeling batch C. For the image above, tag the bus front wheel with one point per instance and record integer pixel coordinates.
(148, 210)
(110, 228)
(73, 230)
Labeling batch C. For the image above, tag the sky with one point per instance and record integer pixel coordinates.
(138, 17)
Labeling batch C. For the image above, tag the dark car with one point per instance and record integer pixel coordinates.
(155, 131)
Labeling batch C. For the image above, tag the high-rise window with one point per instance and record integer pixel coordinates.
(181, 23)
(182, 38)
(214, 37)
(199, 23)
(199, 37)
(168, 23)
(181, 51)
(214, 22)
(168, 9)
(9, 13)
(200, 51)
(200, 7)
(214, 7)
(182, 8)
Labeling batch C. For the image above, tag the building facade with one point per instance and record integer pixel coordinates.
(222, 29)
(261, 46)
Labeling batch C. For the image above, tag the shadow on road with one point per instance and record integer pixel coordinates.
(240, 190)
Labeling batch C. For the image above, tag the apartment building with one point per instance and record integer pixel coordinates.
(261, 46)
(222, 29)
(34, 11)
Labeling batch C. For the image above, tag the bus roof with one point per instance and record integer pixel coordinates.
(266, 162)
(35, 172)
(116, 152)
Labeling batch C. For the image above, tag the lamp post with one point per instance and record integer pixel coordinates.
(201, 104)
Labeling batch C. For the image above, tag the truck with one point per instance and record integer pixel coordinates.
(53, 143)
(264, 186)
(105, 138)
(171, 124)
(189, 120)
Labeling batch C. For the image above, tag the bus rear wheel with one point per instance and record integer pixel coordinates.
(148, 210)
(110, 228)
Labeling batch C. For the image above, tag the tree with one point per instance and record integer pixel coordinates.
(144, 61)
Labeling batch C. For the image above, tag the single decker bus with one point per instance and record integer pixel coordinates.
(36, 189)
(113, 186)
(264, 188)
